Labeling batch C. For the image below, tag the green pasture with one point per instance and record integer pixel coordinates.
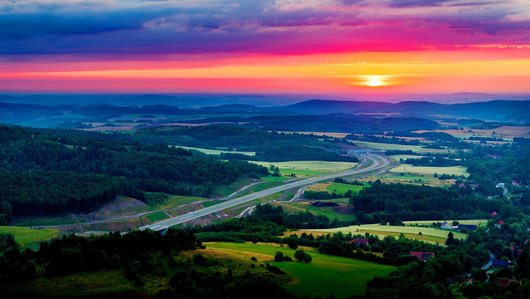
(326, 274)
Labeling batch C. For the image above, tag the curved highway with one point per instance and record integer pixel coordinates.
(369, 162)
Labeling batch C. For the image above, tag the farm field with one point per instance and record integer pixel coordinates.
(29, 237)
(505, 132)
(478, 222)
(449, 170)
(215, 152)
(428, 234)
(409, 178)
(325, 274)
(390, 146)
(307, 168)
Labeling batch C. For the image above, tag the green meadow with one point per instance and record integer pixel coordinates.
(427, 234)
(307, 168)
(326, 274)
(29, 237)
(341, 188)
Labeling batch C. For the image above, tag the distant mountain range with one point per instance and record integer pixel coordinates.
(45, 112)
(518, 111)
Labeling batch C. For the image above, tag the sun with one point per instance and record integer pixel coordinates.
(374, 81)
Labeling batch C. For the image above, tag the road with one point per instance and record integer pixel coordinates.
(369, 162)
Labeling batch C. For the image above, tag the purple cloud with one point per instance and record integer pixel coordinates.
(244, 26)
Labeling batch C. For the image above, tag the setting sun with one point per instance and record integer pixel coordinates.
(374, 81)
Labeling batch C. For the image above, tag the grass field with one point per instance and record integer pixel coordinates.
(174, 201)
(450, 170)
(341, 188)
(409, 178)
(156, 216)
(478, 222)
(226, 190)
(304, 206)
(307, 168)
(215, 152)
(324, 275)
(405, 157)
(401, 147)
(275, 178)
(28, 237)
(428, 234)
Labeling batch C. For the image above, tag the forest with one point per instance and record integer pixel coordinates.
(269, 146)
(399, 202)
(48, 168)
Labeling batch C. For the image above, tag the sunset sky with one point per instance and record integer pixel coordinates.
(346, 48)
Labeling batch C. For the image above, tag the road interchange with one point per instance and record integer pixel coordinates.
(369, 162)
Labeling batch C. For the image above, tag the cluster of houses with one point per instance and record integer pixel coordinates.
(459, 227)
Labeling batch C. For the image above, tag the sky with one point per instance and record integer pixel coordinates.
(335, 48)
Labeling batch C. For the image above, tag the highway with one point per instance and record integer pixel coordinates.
(369, 162)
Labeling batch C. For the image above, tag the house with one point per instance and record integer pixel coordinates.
(446, 225)
(360, 242)
(492, 156)
(516, 183)
(493, 214)
(422, 255)
(467, 227)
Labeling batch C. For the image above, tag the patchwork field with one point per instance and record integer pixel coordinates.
(308, 168)
(28, 237)
(325, 274)
(401, 147)
(428, 234)
(505, 132)
(449, 170)
(215, 152)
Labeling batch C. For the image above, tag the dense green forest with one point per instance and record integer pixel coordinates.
(269, 146)
(399, 202)
(56, 172)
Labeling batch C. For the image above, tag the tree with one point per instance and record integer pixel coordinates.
(451, 239)
(302, 256)
(278, 257)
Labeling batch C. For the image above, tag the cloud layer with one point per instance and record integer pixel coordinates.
(101, 29)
